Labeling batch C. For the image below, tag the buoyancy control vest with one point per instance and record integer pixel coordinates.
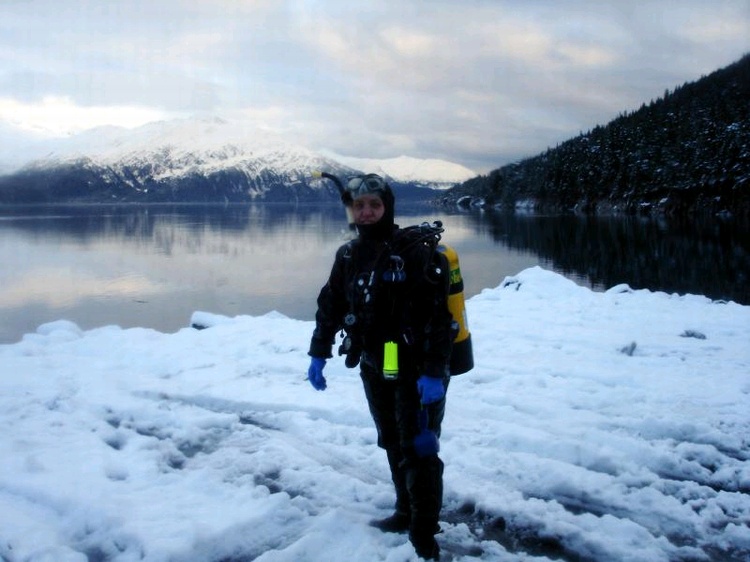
(387, 273)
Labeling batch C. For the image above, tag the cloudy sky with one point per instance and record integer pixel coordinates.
(478, 82)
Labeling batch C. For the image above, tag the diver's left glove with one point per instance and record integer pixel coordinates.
(430, 389)
(315, 373)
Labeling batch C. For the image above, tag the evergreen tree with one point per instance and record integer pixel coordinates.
(686, 152)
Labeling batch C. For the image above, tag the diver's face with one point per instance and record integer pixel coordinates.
(367, 209)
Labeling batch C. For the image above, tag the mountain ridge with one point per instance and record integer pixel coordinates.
(202, 160)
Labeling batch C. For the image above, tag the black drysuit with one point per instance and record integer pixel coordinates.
(393, 288)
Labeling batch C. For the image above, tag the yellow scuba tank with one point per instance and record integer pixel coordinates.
(462, 355)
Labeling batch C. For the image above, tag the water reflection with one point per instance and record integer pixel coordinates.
(706, 256)
(84, 223)
(152, 266)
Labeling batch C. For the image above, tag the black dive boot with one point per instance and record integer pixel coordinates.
(425, 544)
(400, 520)
(396, 523)
(425, 485)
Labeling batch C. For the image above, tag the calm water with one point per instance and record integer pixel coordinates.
(153, 266)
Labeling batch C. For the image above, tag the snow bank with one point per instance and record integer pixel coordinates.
(595, 426)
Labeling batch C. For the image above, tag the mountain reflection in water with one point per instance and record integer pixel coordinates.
(152, 266)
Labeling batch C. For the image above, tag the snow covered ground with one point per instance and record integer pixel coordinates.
(595, 426)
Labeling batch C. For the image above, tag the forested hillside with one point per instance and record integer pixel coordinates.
(686, 152)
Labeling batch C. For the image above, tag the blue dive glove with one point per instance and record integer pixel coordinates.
(430, 389)
(315, 373)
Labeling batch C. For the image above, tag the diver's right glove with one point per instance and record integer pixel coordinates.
(315, 373)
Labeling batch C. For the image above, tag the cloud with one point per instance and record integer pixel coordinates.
(484, 82)
(59, 116)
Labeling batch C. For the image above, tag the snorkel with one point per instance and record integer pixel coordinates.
(345, 199)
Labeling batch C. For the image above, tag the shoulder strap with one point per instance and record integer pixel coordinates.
(425, 233)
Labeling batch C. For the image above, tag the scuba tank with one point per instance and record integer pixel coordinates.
(462, 354)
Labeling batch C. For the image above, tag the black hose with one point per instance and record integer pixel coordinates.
(335, 180)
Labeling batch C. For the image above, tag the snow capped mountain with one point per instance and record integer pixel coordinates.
(182, 147)
(206, 159)
(407, 169)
